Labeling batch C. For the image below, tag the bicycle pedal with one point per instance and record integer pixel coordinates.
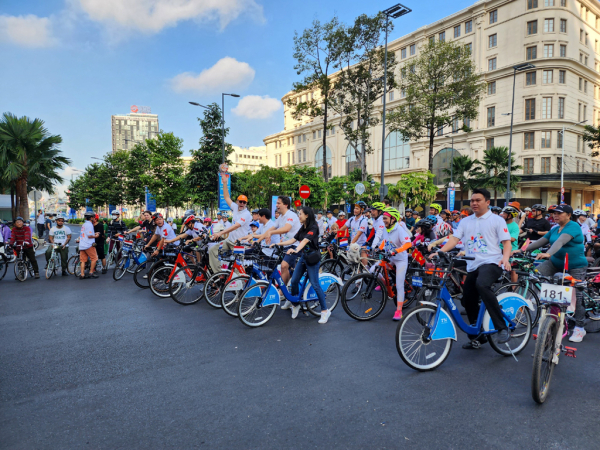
(570, 351)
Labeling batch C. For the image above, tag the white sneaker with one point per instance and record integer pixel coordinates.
(578, 334)
(287, 304)
(295, 310)
(325, 316)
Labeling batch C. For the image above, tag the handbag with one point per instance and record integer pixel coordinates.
(312, 258)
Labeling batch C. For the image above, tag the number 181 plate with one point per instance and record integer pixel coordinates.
(551, 293)
(417, 281)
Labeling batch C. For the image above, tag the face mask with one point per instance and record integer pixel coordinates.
(115, 217)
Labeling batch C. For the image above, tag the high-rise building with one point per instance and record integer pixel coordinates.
(131, 129)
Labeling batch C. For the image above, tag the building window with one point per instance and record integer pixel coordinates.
(403, 53)
(548, 2)
(288, 155)
(547, 108)
(528, 141)
(457, 31)
(491, 116)
(413, 49)
(546, 139)
(532, 27)
(530, 78)
(580, 84)
(585, 86)
(584, 112)
(546, 165)
(319, 160)
(454, 124)
(528, 163)
(403, 93)
(492, 64)
(391, 96)
(304, 155)
(467, 123)
(468, 26)
(581, 35)
(469, 48)
(563, 3)
(531, 52)
(489, 143)
(314, 134)
(491, 88)
(530, 109)
(442, 36)
(299, 156)
(579, 112)
(493, 16)
(548, 50)
(319, 133)
(561, 107)
(548, 25)
(532, 4)
(578, 143)
(397, 152)
(559, 139)
(562, 75)
(351, 162)
(563, 25)
(563, 51)
(440, 130)
(493, 40)
(547, 76)
(431, 39)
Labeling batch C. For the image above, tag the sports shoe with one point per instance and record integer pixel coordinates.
(64, 273)
(37, 275)
(503, 336)
(104, 270)
(578, 334)
(324, 316)
(398, 315)
(295, 310)
(93, 275)
(287, 304)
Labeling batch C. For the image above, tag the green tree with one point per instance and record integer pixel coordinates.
(77, 191)
(441, 87)
(461, 173)
(591, 135)
(29, 157)
(359, 82)
(202, 177)
(316, 51)
(415, 188)
(492, 173)
(136, 166)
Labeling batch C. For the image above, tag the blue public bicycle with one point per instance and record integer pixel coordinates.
(260, 298)
(424, 336)
(132, 255)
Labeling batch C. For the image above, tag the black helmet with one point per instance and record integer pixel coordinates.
(496, 209)
(156, 215)
(89, 214)
(538, 207)
(189, 212)
(425, 223)
(19, 218)
(361, 204)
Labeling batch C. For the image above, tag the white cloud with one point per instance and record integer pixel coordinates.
(153, 15)
(257, 107)
(27, 31)
(227, 74)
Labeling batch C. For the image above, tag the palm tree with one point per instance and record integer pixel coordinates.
(29, 158)
(461, 173)
(492, 174)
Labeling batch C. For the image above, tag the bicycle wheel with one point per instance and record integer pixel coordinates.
(36, 244)
(21, 271)
(529, 293)
(332, 298)
(413, 345)
(364, 296)
(187, 285)
(72, 263)
(214, 287)
(110, 259)
(332, 266)
(50, 269)
(231, 294)
(250, 311)
(519, 336)
(159, 281)
(120, 268)
(542, 359)
(3, 266)
(141, 277)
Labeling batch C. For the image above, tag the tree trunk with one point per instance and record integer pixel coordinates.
(325, 171)
(431, 137)
(495, 198)
(363, 166)
(13, 209)
(23, 207)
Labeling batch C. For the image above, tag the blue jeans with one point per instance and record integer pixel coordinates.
(313, 276)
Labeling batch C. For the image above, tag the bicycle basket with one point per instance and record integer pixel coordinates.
(266, 264)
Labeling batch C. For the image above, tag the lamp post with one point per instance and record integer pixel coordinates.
(394, 12)
(517, 68)
(562, 161)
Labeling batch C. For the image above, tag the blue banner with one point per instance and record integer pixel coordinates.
(111, 208)
(273, 206)
(150, 201)
(348, 208)
(223, 206)
(451, 197)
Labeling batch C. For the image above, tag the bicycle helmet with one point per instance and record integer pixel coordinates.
(378, 206)
(189, 212)
(115, 212)
(442, 230)
(528, 209)
(361, 204)
(392, 212)
(433, 219)
(496, 209)
(87, 214)
(579, 212)
(19, 218)
(538, 207)
(436, 206)
(426, 223)
(156, 215)
(189, 220)
(511, 211)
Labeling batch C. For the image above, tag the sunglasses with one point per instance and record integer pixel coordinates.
(242, 201)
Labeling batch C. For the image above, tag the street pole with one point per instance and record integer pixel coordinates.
(562, 167)
(223, 124)
(387, 21)
(512, 115)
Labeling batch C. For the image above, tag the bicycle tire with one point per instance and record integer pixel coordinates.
(214, 287)
(119, 269)
(72, 263)
(185, 289)
(332, 266)
(531, 295)
(50, 269)
(543, 367)
(332, 298)
(21, 271)
(250, 312)
(159, 281)
(231, 294)
(522, 334)
(36, 244)
(3, 266)
(141, 271)
(110, 260)
(365, 284)
(409, 352)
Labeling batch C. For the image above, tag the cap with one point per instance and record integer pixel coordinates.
(254, 211)
(329, 212)
(242, 197)
(561, 209)
(456, 211)
(515, 204)
(254, 224)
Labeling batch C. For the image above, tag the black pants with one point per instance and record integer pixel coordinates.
(40, 230)
(479, 283)
(29, 252)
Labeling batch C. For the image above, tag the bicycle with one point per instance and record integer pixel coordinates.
(160, 280)
(186, 283)
(260, 298)
(53, 262)
(5, 259)
(424, 336)
(132, 257)
(23, 266)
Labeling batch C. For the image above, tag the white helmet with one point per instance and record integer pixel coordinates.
(170, 220)
(442, 230)
(217, 228)
(579, 212)
(115, 212)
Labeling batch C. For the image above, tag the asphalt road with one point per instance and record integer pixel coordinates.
(102, 364)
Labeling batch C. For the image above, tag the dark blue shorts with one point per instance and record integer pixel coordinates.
(291, 259)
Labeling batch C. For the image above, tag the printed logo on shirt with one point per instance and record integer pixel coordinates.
(290, 220)
(477, 244)
(310, 232)
(165, 232)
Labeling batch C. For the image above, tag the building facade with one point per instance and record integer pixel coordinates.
(560, 37)
(247, 158)
(131, 129)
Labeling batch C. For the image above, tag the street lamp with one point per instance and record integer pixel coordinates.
(198, 104)
(517, 68)
(223, 119)
(562, 161)
(394, 12)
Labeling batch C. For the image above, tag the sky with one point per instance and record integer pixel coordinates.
(74, 63)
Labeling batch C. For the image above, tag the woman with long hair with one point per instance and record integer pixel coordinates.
(310, 259)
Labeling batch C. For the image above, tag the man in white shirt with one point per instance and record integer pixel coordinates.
(239, 228)
(87, 250)
(265, 224)
(164, 232)
(40, 224)
(60, 235)
(357, 225)
(321, 223)
(481, 234)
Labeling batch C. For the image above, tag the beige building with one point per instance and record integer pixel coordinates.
(560, 37)
(242, 158)
(131, 129)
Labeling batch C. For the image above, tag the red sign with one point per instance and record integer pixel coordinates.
(562, 190)
(304, 191)
(134, 109)
(297, 203)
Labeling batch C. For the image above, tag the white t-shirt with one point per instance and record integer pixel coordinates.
(244, 218)
(396, 239)
(585, 229)
(60, 234)
(481, 237)
(589, 222)
(87, 238)
(166, 232)
(358, 224)
(321, 223)
(379, 227)
(275, 239)
(40, 219)
(196, 231)
(291, 218)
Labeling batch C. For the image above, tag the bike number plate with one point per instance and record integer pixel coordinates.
(551, 293)
(417, 281)
(178, 278)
